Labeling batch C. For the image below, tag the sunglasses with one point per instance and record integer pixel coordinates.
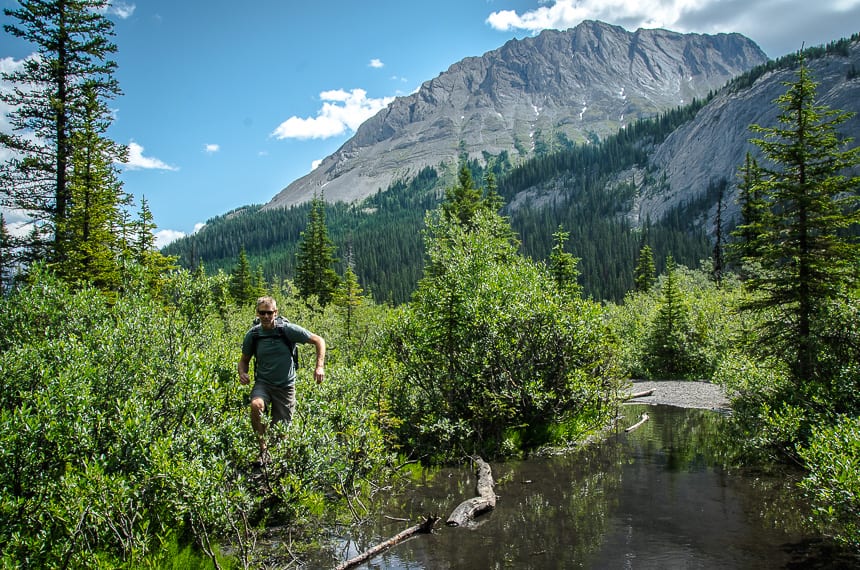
(266, 313)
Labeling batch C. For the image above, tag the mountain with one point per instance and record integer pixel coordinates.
(536, 94)
(661, 173)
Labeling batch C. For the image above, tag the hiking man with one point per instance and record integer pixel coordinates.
(272, 343)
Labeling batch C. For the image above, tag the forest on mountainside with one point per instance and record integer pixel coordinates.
(381, 236)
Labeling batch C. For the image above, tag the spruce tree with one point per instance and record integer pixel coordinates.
(563, 266)
(6, 257)
(49, 105)
(242, 281)
(315, 274)
(91, 249)
(645, 272)
(805, 256)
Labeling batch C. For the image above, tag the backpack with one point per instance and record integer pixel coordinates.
(280, 322)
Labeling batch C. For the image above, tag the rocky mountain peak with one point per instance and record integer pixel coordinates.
(558, 87)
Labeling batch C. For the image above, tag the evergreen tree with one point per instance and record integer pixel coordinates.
(49, 105)
(563, 265)
(717, 258)
(142, 246)
(6, 257)
(806, 258)
(645, 272)
(464, 199)
(91, 250)
(315, 274)
(242, 281)
(752, 209)
(672, 346)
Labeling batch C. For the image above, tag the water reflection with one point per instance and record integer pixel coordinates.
(652, 498)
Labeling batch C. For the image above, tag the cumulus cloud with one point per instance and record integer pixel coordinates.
(122, 10)
(165, 237)
(563, 14)
(376, 63)
(212, 148)
(136, 160)
(341, 111)
(790, 23)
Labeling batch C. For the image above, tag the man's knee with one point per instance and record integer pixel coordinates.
(258, 405)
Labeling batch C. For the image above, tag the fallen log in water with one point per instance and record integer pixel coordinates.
(644, 418)
(424, 527)
(485, 501)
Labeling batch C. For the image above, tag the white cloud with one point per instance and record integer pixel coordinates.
(376, 63)
(212, 148)
(121, 9)
(563, 14)
(165, 237)
(341, 111)
(316, 163)
(136, 160)
(198, 226)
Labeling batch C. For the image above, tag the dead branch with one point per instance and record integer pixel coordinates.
(424, 527)
(639, 394)
(644, 418)
(485, 501)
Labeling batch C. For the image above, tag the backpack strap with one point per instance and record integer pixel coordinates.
(280, 328)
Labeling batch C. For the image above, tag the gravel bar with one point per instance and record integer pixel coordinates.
(681, 393)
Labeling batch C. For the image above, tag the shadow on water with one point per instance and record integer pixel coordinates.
(652, 498)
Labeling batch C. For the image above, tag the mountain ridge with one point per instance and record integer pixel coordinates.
(570, 86)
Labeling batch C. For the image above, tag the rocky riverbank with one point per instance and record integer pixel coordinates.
(683, 393)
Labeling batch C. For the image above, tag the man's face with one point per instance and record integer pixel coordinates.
(267, 314)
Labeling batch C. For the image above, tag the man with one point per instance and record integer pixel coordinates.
(274, 369)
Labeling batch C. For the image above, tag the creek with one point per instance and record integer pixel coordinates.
(656, 497)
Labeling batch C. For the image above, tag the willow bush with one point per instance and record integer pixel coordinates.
(123, 427)
(492, 354)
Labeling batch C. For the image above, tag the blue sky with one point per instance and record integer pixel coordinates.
(226, 103)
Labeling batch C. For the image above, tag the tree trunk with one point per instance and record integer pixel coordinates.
(485, 501)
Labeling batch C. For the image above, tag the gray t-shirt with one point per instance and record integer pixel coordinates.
(274, 363)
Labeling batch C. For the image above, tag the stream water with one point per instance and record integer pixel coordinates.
(652, 498)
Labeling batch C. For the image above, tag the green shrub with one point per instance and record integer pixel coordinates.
(833, 482)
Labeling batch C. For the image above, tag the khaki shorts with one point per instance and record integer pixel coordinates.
(280, 401)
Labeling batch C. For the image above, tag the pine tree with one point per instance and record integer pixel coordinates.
(752, 208)
(91, 249)
(805, 258)
(49, 107)
(242, 281)
(6, 257)
(464, 199)
(142, 247)
(563, 266)
(645, 272)
(315, 274)
(717, 256)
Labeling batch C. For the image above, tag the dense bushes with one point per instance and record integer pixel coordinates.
(123, 427)
(491, 352)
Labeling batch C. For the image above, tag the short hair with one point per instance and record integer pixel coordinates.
(267, 300)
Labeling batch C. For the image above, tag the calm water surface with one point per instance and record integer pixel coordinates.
(651, 498)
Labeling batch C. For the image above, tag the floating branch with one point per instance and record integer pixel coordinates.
(485, 501)
(424, 527)
(637, 424)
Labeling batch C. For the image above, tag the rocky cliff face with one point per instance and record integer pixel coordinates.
(576, 85)
(714, 145)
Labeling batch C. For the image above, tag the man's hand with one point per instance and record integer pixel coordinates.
(319, 374)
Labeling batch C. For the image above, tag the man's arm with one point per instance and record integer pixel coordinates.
(319, 342)
(243, 365)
